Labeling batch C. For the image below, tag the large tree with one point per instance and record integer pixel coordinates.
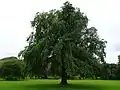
(61, 38)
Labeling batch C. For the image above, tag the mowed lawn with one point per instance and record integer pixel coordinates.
(54, 85)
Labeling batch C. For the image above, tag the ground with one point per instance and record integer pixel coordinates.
(54, 85)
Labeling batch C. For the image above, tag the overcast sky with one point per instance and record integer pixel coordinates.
(15, 17)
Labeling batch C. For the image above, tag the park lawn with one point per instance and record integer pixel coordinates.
(54, 85)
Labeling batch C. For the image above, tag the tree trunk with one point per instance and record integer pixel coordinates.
(45, 76)
(63, 75)
(63, 80)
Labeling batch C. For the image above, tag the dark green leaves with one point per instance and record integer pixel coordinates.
(61, 37)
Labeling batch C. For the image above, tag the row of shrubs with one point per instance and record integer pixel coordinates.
(14, 70)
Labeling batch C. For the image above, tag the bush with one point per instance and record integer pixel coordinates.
(73, 78)
(12, 70)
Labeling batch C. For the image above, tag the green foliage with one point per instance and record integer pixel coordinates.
(108, 71)
(12, 70)
(118, 69)
(74, 77)
(61, 37)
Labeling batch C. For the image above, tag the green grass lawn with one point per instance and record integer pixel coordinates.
(54, 85)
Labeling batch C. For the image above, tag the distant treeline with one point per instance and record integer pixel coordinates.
(14, 69)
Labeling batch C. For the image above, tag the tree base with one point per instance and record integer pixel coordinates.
(63, 82)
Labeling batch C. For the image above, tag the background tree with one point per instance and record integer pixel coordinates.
(113, 68)
(118, 69)
(12, 70)
(108, 71)
(61, 37)
(105, 71)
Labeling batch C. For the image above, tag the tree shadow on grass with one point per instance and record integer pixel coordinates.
(68, 87)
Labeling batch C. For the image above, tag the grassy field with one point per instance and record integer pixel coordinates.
(54, 85)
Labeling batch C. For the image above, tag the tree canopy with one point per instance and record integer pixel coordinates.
(62, 38)
(12, 70)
